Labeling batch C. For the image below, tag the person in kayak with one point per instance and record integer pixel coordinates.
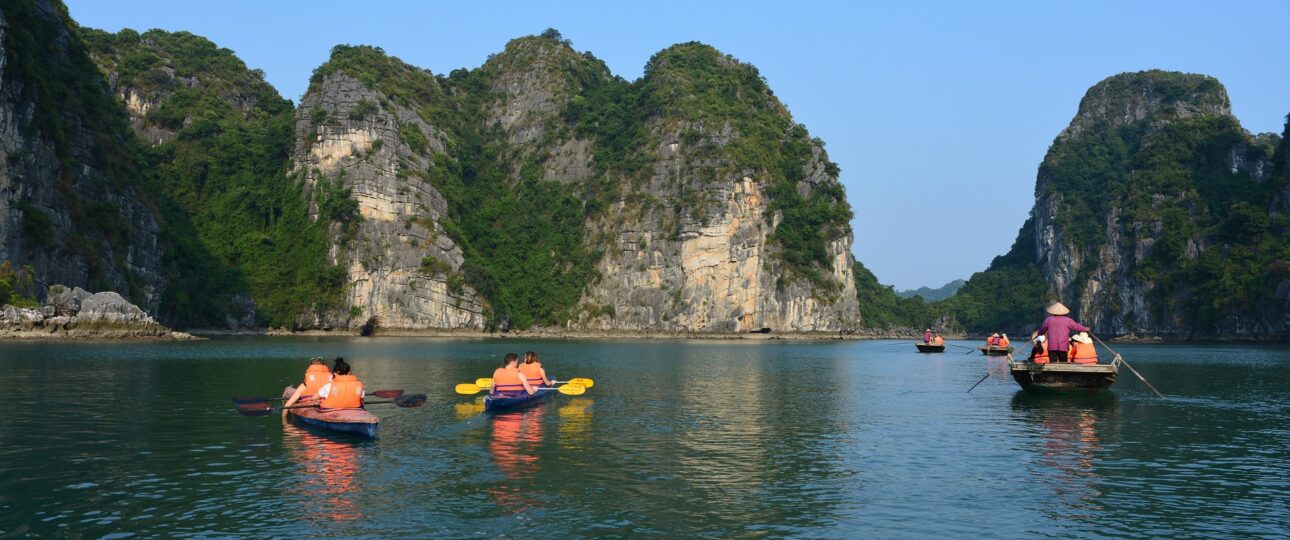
(344, 391)
(508, 379)
(316, 376)
(533, 372)
(1057, 328)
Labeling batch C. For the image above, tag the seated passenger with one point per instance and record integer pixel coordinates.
(508, 379)
(316, 376)
(532, 370)
(344, 391)
(1039, 353)
(1082, 349)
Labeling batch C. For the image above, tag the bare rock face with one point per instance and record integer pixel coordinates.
(71, 209)
(352, 137)
(75, 313)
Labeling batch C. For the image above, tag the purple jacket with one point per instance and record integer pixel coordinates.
(1058, 328)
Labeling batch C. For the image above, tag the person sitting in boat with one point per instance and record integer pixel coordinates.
(993, 340)
(508, 379)
(927, 336)
(938, 341)
(316, 376)
(344, 391)
(1082, 350)
(1003, 341)
(1039, 353)
(533, 372)
(1058, 328)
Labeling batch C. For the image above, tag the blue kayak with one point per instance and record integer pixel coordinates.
(357, 421)
(506, 401)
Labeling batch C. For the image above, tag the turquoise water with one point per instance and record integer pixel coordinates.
(707, 439)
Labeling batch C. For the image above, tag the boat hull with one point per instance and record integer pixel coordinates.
(356, 421)
(1063, 377)
(930, 348)
(996, 351)
(511, 402)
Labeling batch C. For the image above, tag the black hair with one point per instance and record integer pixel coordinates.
(339, 367)
(510, 357)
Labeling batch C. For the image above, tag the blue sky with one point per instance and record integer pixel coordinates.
(938, 113)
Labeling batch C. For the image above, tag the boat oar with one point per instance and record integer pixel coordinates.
(566, 389)
(262, 408)
(989, 373)
(1126, 364)
(970, 349)
(244, 400)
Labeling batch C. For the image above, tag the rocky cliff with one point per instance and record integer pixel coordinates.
(1156, 214)
(540, 189)
(71, 204)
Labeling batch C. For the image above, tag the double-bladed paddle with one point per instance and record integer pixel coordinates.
(566, 389)
(261, 408)
(243, 400)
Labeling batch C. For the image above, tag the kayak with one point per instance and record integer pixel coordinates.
(345, 420)
(507, 401)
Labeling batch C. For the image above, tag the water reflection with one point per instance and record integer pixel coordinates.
(328, 471)
(575, 423)
(513, 447)
(1067, 436)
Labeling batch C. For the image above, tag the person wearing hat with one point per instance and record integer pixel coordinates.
(927, 335)
(1082, 349)
(1057, 328)
(1039, 353)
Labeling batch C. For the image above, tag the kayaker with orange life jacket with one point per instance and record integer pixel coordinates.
(1058, 329)
(532, 370)
(508, 379)
(344, 391)
(938, 341)
(316, 376)
(1039, 353)
(927, 335)
(1082, 349)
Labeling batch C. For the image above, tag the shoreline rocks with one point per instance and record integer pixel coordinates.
(78, 314)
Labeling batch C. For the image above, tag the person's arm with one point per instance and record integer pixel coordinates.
(1079, 327)
(295, 396)
(525, 381)
(545, 380)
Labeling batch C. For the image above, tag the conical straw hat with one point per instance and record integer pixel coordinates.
(1058, 309)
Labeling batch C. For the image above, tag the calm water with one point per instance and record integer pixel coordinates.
(703, 439)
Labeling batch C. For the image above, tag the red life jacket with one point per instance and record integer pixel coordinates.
(532, 372)
(1041, 356)
(1083, 353)
(508, 380)
(315, 378)
(346, 393)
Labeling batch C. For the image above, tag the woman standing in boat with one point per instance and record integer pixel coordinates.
(316, 376)
(532, 370)
(1057, 328)
(508, 379)
(344, 391)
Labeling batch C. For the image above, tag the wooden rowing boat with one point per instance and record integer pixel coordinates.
(929, 348)
(509, 401)
(1063, 376)
(344, 420)
(995, 350)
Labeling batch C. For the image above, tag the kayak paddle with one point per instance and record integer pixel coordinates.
(244, 400)
(487, 382)
(566, 389)
(262, 408)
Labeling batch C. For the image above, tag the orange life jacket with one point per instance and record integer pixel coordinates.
(992, 341)
(532, 372)
(508, 380)
(315, 378)
(1003, 342)
(1083, 353)
(1041, 357)
(938, 340)
(346, 393)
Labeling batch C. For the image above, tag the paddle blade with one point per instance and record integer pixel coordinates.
(571, 389)
(387, 394)
(410, 400)
(467, 389)
(254, 409)
(243, 400)
(582, 381)
(484, 382)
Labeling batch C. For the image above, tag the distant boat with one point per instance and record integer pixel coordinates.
(994, 350)
(1063, 376)
(929, 348)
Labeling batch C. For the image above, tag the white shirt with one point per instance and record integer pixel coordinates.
(326, 390)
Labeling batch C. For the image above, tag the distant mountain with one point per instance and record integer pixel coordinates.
(933, 295)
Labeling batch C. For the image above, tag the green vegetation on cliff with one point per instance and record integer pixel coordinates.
(234, 221)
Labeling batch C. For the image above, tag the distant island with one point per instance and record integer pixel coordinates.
(541, 192)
